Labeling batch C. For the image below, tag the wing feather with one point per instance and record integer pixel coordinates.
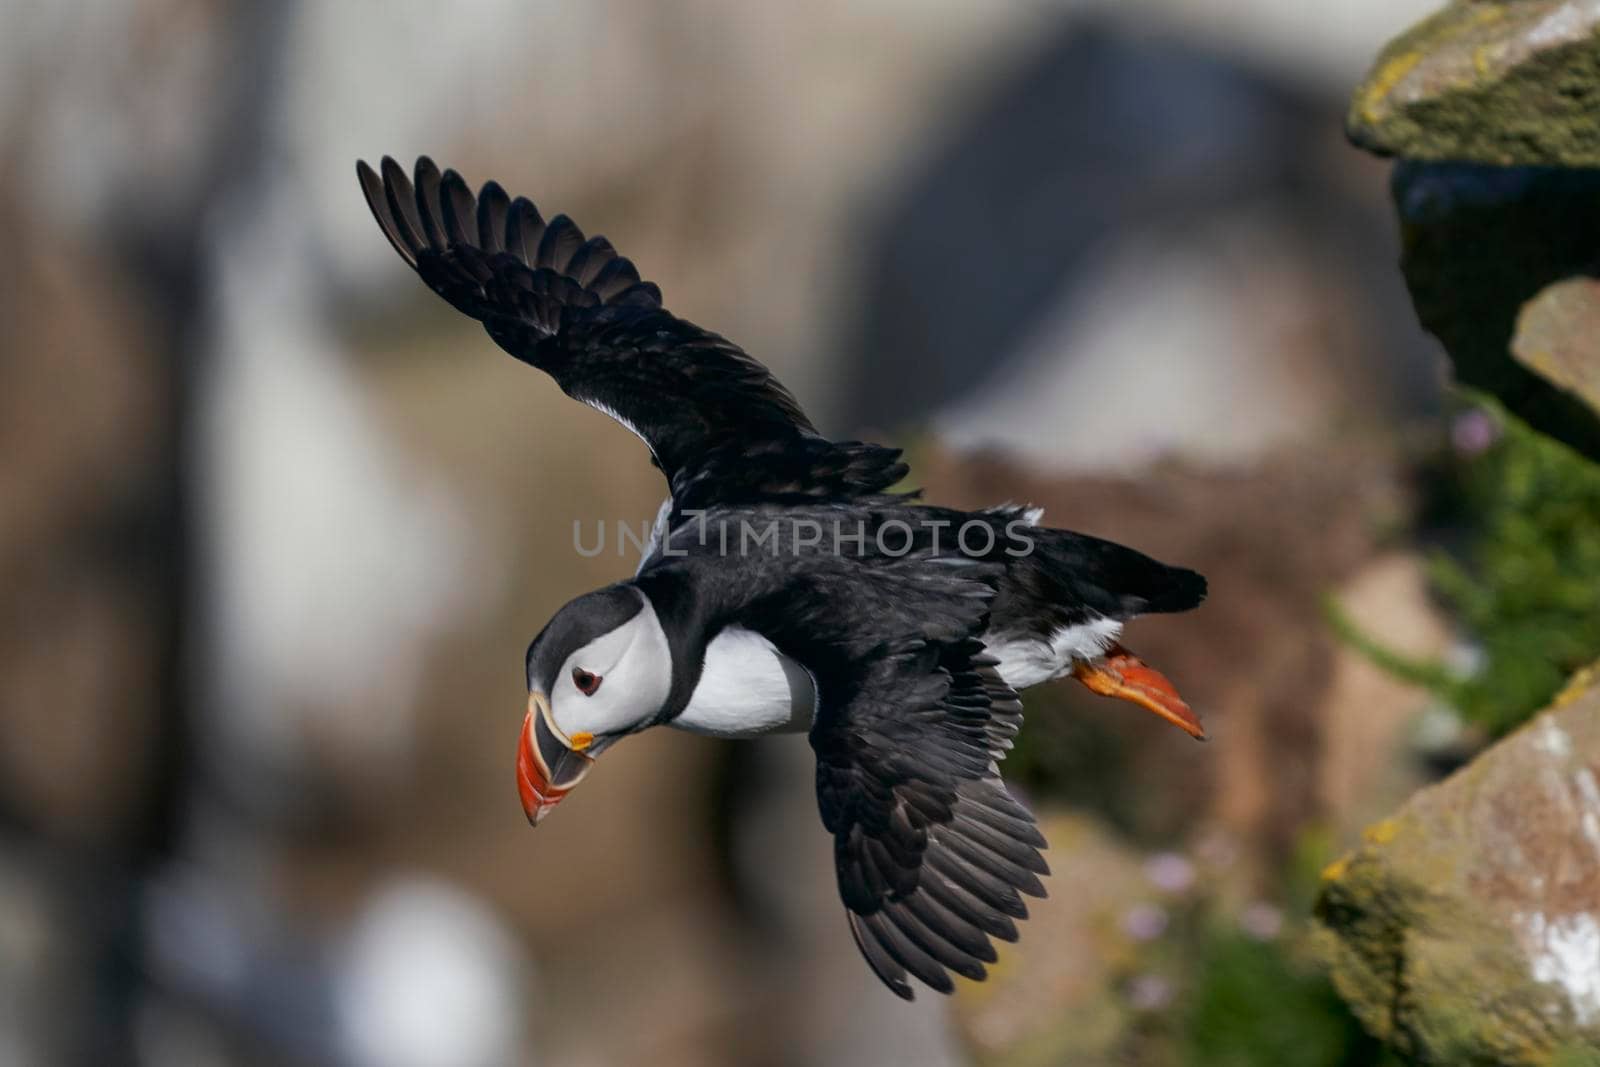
(494, 209)
(460, 209)
(934, 856)
(428, 203)
(720, 426)
(940, 949)
(523, 229)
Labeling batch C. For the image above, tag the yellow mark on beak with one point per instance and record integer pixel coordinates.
(581, 740)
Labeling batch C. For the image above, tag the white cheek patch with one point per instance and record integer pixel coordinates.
(634, 663)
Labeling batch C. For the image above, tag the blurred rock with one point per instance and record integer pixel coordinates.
(1326, 45)
(1365, 766)
(1464, 930)
(81, 396)
(1495, 260)
(1483, 100)
(334, 560)
(1210, 246)
(1508, 82)
(1558, 337)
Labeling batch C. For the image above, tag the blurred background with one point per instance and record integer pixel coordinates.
(276, 525)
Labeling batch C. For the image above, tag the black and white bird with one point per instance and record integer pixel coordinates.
(788, 587)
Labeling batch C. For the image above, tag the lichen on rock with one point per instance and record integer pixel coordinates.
(1508, 82)
(1466, 928)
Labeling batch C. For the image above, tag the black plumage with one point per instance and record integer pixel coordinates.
(578, 311)
(912, 716)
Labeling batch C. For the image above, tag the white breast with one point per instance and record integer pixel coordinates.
(748, 687)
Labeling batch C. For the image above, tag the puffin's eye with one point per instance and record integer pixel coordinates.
(587, 683)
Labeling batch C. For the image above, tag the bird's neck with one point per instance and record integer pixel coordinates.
(687, 620)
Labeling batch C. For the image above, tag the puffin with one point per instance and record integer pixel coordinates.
(790, 585)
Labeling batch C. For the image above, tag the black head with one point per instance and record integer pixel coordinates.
(599, 670)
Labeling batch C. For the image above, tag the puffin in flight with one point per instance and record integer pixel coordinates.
(788, 587)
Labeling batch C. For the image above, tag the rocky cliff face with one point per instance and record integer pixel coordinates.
(1494, 108)
(1514, 82)
(1466, 929)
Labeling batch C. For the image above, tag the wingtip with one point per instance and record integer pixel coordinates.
(459, 207)
(371, 184)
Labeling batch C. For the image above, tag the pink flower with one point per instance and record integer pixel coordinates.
(1144, 922)
(1473, 431)
(1262, 921)
(1149, 992)
(1169, 872)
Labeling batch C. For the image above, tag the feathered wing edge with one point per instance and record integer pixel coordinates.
(720, 426)
(934, 855)
(439, 214)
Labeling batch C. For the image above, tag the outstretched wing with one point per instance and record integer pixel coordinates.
(933, 854)
(577, 310)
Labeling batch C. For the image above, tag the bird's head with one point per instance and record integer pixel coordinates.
(599, 670)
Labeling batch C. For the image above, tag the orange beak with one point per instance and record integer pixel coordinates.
(549, 764)
(1119, 673)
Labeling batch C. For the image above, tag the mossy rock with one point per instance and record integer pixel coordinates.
(1495, 107)
(1466, 929)
(1500, 265)
(1513, 82)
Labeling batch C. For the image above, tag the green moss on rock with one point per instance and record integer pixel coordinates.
(1523, 585)
(1507, 83)
(1438, 930)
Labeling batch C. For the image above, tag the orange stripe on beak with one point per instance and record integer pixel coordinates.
(549, 765)
(533, 785)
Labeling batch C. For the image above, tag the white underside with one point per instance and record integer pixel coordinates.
(747, 687)
(1026, 660)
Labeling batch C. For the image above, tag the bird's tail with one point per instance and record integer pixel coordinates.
(1112, 579)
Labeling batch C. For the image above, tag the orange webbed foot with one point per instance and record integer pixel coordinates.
(1121, 674)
